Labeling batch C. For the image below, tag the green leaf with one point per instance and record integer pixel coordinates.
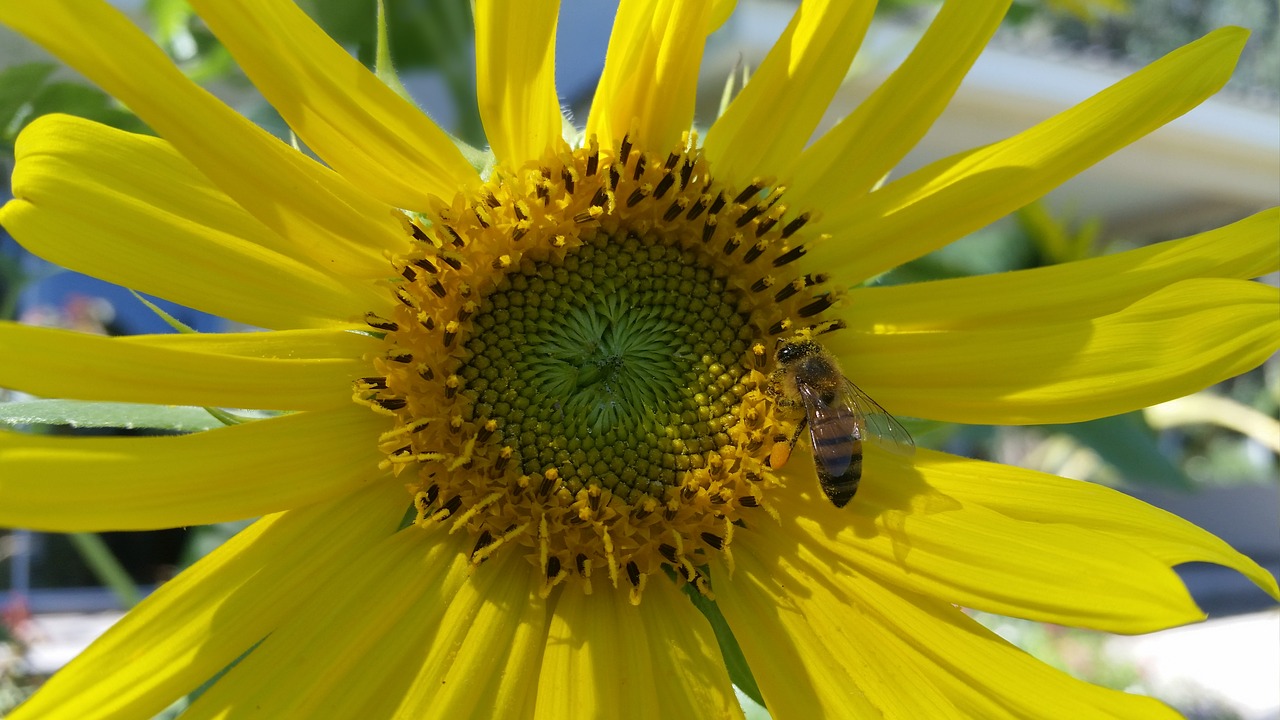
(1128, 444)
(734, 660)
(18, 85)
(106, 567)
(84, 101)
(82, 414)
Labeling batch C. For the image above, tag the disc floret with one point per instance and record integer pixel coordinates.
(578, 364)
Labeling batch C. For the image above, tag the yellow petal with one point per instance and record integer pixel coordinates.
(1041, 498)
(484, 660)
(354, 122)
(956, 195)
(308, 204)
(650, 73)
(904, 532)
(1083, 289)
(799, 75)
(516, 79)
(128, 209)
(284, 344)
(349, 650)
(807, 665)
(195, 625)
(68, 484)
(608, 658)
(167, 370)
(827, 642)
(1178, 340)
(720, 12)
(848, 160)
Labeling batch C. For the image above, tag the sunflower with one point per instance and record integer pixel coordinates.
(528, 414)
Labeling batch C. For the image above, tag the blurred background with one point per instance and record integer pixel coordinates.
(1211, 457)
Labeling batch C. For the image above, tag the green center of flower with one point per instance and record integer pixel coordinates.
(619, 366)
(578, 365)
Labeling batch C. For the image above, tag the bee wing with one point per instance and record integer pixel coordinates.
(886, 431)
(835, 429)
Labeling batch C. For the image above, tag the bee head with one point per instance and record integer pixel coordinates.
(791, 350)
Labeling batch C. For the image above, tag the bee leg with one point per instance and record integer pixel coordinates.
(795, 436)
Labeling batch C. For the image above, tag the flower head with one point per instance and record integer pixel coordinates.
(571, 364)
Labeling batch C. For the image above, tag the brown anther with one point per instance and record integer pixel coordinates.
(392, 403)
(822, 303)
(788, 290)
(482, 542)
(378, 322)
(451, 505)
(665, 184)
(789, 256)
(636, 196)
(713, 540)
(698, 206)
(793, 226)
(717, 204)
(406, 299)
(749, 192)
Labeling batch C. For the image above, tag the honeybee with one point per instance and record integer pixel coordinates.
(838, 416)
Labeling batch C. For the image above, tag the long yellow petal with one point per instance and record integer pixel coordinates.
(906, 533)
(349, 650)
(607, 658)
(825, 641)
(359, 126)
(196, 624)
(852, 157)
(650, 76)
(302, 200)
(799, 75)
(516, 79)
(128, 209)
(60, 363)
(807, 665)
(66, 484)
(956, 195)
(484, 661)
(1036, 497)
(1083, 289)
(1178, 340)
